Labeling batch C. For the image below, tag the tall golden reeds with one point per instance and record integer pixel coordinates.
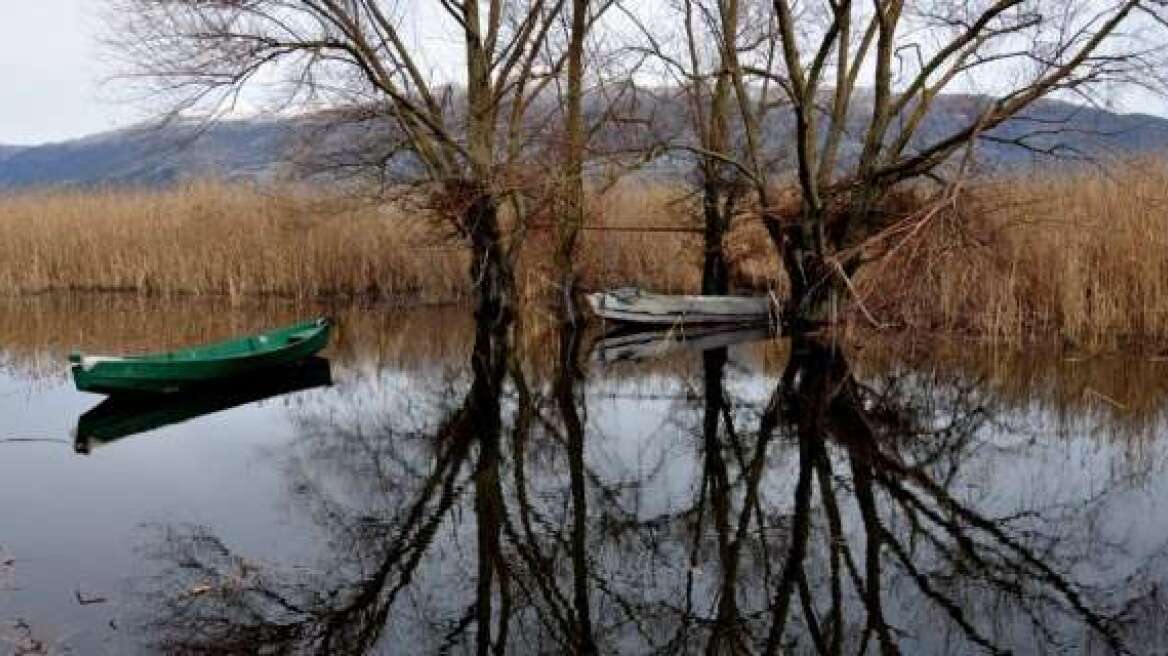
(1080, 255)
(221, 240)
(215, 239)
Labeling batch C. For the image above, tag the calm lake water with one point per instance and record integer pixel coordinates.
(454, 491)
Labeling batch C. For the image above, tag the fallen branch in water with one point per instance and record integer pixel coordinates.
(88, 601)
(1103, 397)
(27, 440)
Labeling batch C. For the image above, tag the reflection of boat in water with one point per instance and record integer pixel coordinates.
(225, 361)
(122, 416)
(634, 306)
(641, 345)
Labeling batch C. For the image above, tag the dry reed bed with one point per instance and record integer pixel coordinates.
(209, 239)
(1081, 255)
(659, 259)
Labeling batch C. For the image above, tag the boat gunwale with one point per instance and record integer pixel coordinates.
(634, 306)
(318, 325)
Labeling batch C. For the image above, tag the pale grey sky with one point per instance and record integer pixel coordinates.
(54, 74)
(50, 69)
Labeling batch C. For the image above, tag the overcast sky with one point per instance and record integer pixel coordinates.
(52, 71)
(49, 72)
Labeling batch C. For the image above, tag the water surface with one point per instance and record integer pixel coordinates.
(460, 489)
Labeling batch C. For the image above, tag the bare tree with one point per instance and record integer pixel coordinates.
(905, 54)
(870, 70)
(572, 217)
(725, 113)
(459, 134)
(604, 133)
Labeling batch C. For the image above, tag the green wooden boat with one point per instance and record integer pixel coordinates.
(123, 415)
(202, 365)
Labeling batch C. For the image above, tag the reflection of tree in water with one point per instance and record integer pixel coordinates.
(833, 516)
(974, 579)
(381, 491)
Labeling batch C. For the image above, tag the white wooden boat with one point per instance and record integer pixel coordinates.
(631, 305)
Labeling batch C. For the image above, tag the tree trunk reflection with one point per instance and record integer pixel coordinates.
(824, 513)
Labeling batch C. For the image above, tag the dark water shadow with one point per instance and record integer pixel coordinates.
(641, 345)
(122, 416)
(499, 512)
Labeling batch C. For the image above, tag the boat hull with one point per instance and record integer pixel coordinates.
(201, 366)
(637, 307)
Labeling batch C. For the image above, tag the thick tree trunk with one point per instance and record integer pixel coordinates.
(811, 257)
(717, 194)
(817, 291)
(715, 269)
(490, 269)
(572, 215)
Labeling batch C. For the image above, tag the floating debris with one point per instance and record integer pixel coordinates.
(7, 569)
(18, 635)
(87, 600)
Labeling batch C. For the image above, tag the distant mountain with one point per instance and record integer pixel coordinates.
(149, 156)
(8, 151)
(1048, 131)
(263, 150)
